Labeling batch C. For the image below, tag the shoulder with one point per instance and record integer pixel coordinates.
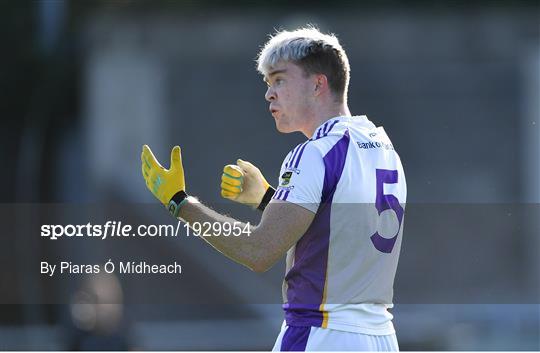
(303, 151)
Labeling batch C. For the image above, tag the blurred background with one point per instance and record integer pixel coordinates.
(455, 84)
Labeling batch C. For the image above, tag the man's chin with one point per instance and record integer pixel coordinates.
(284, 129)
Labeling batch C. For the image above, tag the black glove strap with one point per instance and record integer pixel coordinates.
(266, 198)
(176, 202)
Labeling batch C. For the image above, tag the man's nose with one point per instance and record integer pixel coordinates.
(270, 94)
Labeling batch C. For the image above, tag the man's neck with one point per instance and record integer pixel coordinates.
(322, 115)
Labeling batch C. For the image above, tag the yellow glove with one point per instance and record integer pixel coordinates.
(167, 185)
(245, 183)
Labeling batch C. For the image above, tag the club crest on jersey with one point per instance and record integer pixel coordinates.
(286, 178)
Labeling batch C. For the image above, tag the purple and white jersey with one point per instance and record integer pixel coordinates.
(340, 274)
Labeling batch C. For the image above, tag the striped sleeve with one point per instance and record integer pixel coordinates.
(302, 176)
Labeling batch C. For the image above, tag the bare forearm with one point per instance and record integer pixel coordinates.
(257, 247)
(245, 248)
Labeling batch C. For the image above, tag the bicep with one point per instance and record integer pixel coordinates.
(282, 225)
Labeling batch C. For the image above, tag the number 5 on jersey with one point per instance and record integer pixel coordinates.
(385, 202)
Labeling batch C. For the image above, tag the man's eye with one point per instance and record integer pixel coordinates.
(278, 81)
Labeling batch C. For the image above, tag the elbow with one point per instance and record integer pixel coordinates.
(260, 266)
(259, 269)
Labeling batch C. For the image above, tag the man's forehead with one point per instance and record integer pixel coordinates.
(279, 68)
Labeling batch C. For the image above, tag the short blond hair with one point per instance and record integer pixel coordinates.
(312, 50)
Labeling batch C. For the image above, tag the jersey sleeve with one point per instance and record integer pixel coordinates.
(302, 177)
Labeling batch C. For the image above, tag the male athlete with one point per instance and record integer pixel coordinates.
(337, 212)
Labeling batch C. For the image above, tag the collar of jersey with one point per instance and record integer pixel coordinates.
(324, 126)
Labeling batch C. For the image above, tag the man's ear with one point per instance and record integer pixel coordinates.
(321, 84)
